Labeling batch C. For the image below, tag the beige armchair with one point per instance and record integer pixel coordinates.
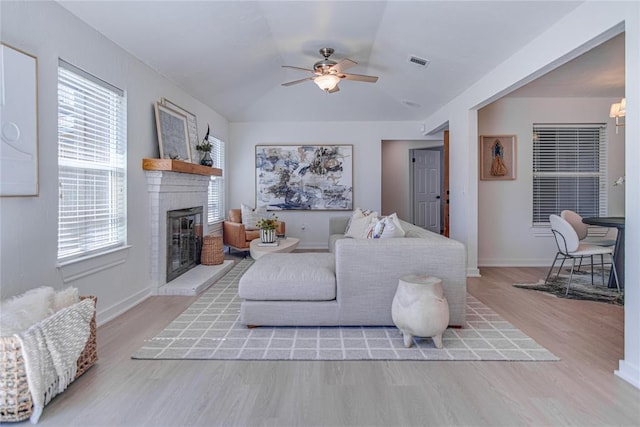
(238, 236)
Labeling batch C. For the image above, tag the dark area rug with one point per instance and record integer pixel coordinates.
(581, 287)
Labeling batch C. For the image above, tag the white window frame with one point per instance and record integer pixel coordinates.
(564, 157)
(216, 193)
(92, 165)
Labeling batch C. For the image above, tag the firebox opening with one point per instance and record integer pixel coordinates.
(184, 240)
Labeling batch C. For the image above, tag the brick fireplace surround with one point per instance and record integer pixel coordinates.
(176, 185)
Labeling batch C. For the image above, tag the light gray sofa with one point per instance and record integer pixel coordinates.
(354, 284)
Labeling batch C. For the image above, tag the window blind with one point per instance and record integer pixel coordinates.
(216, 185)
(91, 164)
(569, 170)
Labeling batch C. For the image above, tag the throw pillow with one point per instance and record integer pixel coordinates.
(360, 224)
(20, 312)
(357, 214)
(387, 227)
(250, 216)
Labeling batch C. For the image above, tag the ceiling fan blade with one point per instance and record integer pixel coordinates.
(343, 64)
(295, 82)
(335, 89)
(298, 68)
(359, 78)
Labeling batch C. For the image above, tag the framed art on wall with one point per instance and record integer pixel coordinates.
(173, 137)
(304, 177)
(497, 157)
(19, 127)
(192, 124)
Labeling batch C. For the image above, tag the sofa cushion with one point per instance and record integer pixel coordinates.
(290, 277)
(333, 238)
(235, 215)
(251, 234)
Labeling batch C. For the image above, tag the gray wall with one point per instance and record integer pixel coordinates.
(28, 225)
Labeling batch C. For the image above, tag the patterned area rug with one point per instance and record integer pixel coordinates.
(581, 287)
(210, 329)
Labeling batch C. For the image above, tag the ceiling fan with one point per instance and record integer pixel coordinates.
(328, 73)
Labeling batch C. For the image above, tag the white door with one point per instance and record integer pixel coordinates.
(426, 189)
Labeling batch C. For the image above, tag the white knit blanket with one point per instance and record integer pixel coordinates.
(51, 349)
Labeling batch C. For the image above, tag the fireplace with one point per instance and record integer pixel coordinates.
(173, 190)
(184, 240)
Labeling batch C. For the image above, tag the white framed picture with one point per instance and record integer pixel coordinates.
(19, 127)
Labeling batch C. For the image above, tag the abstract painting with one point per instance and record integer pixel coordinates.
(304, 177)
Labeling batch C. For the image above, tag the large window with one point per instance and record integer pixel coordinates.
(92, 215)
(569, 170)
(216, 186)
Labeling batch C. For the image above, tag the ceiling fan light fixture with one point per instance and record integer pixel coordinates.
(327, 82)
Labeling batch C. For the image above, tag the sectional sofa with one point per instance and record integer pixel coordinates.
(354, 283)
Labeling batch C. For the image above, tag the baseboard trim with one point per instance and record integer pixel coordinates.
(514, 263)
(629, 373)
(313, 246)
(473, 272)
(110, 313)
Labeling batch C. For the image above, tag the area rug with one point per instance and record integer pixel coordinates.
(581, 287)
(210, 329)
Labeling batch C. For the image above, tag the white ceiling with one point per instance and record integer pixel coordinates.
(229, 54)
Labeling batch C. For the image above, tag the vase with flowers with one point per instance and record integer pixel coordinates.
(204, 147)
(267, 228)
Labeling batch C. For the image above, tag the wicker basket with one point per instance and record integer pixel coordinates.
(212, 250)
(15, 396)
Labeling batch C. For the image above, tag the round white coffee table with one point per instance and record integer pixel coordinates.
(287, 244)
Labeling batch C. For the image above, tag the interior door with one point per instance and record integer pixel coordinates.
(427, 194)
(445, 184)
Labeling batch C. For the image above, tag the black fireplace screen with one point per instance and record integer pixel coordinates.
(184, 240)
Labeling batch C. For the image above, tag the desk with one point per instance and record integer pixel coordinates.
(618, 257)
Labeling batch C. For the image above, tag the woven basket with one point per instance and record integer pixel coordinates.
(212, 250)
(15, 396)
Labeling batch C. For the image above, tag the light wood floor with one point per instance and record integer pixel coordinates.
(579, 390)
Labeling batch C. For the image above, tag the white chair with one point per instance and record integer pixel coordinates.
(569, 247)
(582, 230)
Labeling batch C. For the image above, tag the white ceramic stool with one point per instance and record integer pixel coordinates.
(420, 308)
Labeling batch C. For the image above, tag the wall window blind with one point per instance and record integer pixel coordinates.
(569, 170)
(92, 215)
(216, 185)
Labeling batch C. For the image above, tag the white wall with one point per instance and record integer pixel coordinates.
(588, 25)
(28, 225)
(504, 207)
(396, 175)
(366, 138)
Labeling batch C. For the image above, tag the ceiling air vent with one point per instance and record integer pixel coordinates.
(419, 61)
